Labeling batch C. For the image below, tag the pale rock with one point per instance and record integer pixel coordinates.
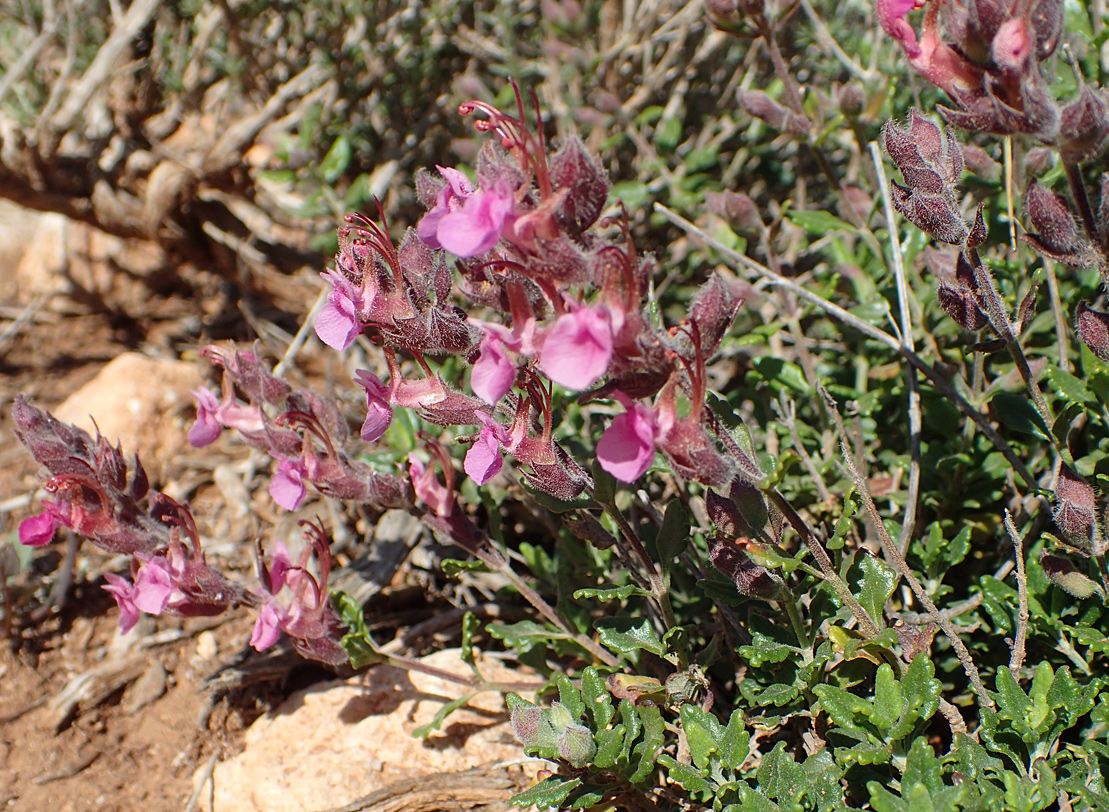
(336, 742)
(139, 402)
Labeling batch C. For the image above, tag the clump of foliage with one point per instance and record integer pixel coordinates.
(820, 528)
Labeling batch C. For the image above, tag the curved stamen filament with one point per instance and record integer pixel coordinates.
(303, 420)
(67, 482)
(377, 238)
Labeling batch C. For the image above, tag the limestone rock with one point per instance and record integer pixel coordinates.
(336, 742)
(138, 401)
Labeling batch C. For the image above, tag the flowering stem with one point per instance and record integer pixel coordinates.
(869, 627)
(493, 559)
(789, 604)
(659, 589)
(1078, 192)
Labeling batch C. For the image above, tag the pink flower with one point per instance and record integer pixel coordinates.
(35, 531)
(214, 416)
(1012, 44)
(206, 430)
(378, 412)
(577, 350)
(267, 628)
(627, 447)
(891, 16)
(428, 488)
(122, 591)
(494, 371)
(153, 587)
(476, 227)
(483, 460)
(450, 199)
(281, 570)
(337, 324)
(287, 486)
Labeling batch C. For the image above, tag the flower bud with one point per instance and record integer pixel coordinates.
(1083, 126)
(1075, 503)
(1038, 160)
(959, 304)
(850, 99)
(1064, 574)
(1012, 46)
(759, 105)
(576, 745)
(1093, 329)
(980, 163)
(737, 208)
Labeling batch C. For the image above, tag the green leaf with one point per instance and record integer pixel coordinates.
(612, 593)
(1016, 412)
(357, 643)
(735, 742)
(875, 587)
(781, 374)
(423, 731)
(633, 724)
(688, 777)
(702, 733)
(335, 163)
(818, 223)
(888, 702)
(597, 699)
(669, 133)
(843, 524)
(645, 754)
(548, 793)
(1013, 703)
(570, 697)
(470, 624)
(673, 536)
(1067, 386)
(922, 767)
(843, 707)
(604, 484)
(921, 690)
(610, 744)
(625, 635)
(780, 777)
(453, 567)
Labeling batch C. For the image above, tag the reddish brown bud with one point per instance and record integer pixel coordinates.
(1083, 126)
(758, 104)
(1075, 503)
(850, 99)
(1056, 233)
(737, 208)
(979, 163)
(1038, 160)
(1064, 574)
(750, 579)
(1093, 329)
(959, 304)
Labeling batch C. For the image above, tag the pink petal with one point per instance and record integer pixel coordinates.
(577, 350)
(627, 447)
(121, 590)
(153, 588)
(476, 227)
(378, 412)
(483, 460)
(287, 486)
(206, 429)
(337, 322)
(35, 531)
(494, 371)
(267, 629)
